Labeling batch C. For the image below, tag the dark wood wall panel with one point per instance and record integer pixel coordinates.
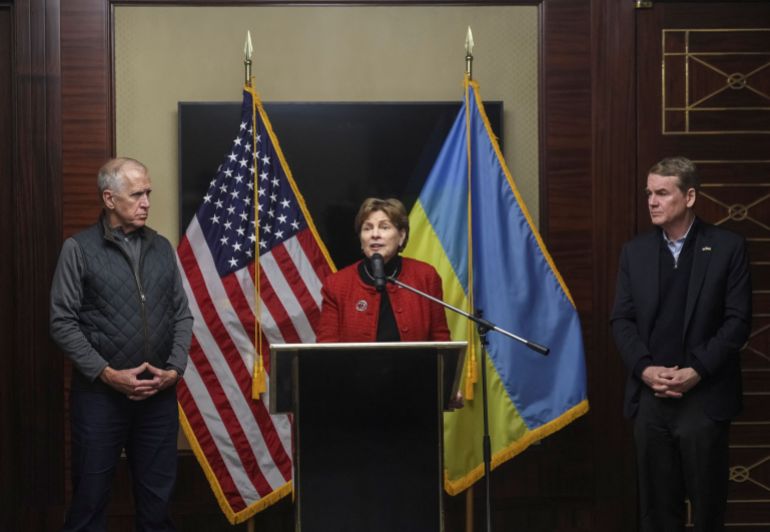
(566, 141)
(86, 129)
(614, 205)
(86, 107)
(32, 420)
(9, 467)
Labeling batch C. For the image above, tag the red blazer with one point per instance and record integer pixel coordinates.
(351, 308)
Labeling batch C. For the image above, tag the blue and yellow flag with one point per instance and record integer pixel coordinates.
(472, 225)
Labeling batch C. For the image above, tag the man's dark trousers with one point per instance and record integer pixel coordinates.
(673, 436)
(103, 424)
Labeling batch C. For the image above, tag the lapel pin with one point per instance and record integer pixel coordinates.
(706, 248)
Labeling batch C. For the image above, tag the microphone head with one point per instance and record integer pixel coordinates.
(378, 271)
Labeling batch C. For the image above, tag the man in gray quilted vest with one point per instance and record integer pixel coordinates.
(119, 311)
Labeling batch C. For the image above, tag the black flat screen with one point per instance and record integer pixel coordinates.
(339, 154)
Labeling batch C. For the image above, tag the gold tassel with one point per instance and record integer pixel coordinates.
(471, 374)
(259, 382)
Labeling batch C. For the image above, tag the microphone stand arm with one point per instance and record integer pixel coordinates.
(484, 325)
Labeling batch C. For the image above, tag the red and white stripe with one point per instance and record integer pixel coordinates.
(246, 450)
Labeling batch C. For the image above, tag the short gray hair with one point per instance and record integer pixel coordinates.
(111, 174)
(682, 168)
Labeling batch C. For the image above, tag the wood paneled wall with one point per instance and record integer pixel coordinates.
(31, 419)
(579, 479)
(613, 202)
(8, 468)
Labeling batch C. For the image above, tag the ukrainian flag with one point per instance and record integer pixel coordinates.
(472, 225)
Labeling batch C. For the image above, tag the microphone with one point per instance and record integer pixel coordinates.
(378, 271)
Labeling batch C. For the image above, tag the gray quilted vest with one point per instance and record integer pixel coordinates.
(127, 318)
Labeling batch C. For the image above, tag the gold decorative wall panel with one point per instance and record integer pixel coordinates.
(715, 81)
(736, 194)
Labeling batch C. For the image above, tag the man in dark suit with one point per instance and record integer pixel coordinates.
(682, 312)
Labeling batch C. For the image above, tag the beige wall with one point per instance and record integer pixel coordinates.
(164, 55)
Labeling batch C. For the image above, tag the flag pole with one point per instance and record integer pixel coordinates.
(248, 50)
(469, 76)
(469, 54)
(258, 383)
(469, 509)
(482, 330)
(483, 326)
(470, 375)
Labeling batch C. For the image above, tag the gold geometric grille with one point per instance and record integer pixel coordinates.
(715, 81)
(736, 194)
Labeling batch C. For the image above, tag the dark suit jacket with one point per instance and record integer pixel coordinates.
(717, 315)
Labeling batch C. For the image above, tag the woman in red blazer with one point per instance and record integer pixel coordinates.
(354, 311)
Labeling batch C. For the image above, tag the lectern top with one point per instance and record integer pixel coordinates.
(355, 346)
(286, 358)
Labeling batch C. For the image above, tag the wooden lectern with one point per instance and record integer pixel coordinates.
(368, 429)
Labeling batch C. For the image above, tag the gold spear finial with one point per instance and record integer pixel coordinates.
(248, 50)
(469, 53)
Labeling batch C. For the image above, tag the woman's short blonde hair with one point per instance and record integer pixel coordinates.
(393, 209)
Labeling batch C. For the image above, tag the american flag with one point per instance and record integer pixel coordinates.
(238, 263)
